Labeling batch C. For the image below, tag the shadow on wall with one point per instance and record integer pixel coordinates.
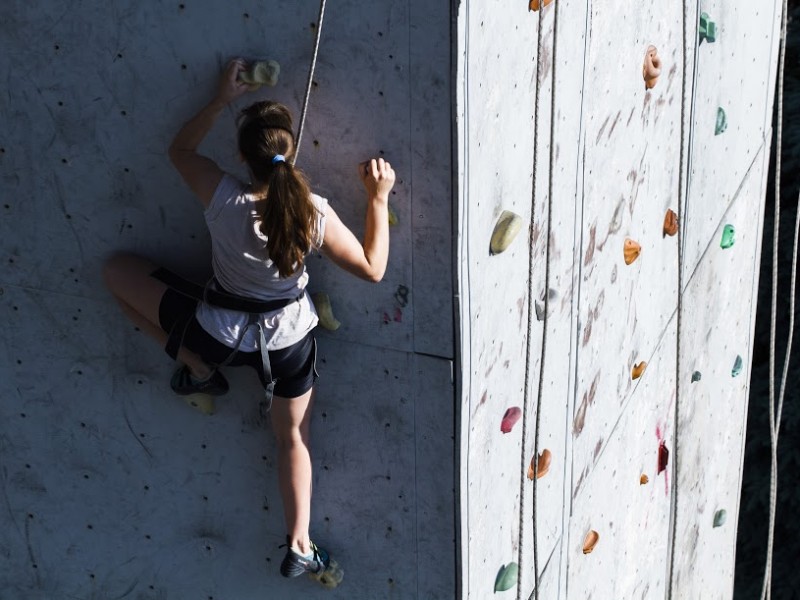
(754, 513)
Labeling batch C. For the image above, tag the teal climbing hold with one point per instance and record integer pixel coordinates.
(737, 366)
(728, 234)
(722, 121)
(506, 577)
(696, 376)
(720, 517)
(708, 29)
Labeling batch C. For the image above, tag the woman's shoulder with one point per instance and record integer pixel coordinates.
(231, 191)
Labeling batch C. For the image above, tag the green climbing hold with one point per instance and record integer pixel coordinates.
(506, 577)
(696, 376)
(722, 121)
(728, 234)
(737, 366)
(708, 29)
(263, 72)
(720, 517)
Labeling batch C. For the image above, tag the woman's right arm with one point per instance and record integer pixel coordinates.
(366, 260)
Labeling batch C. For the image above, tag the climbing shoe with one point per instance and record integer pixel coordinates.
(184, 384)
(295, 564)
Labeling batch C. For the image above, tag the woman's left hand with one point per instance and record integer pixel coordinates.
(230, 87)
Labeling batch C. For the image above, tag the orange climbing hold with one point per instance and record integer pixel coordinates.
(637, 370)
(644, 479)
(590, 541)
(535, 4)
(652, 68)
(631, 250)
(670, 223)
(542, 465)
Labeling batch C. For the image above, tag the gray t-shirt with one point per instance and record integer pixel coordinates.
(241, 265)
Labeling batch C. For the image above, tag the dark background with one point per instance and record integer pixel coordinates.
(754, 510)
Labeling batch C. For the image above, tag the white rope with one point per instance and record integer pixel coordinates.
(682, 187)
(303, 112)
(775, 420)
(526, 389)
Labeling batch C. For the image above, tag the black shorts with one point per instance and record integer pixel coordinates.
(294, 368)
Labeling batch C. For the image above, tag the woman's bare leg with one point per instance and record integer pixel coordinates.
(128, 278)
(290, 422)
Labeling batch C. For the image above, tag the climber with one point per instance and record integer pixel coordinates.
(261, 233)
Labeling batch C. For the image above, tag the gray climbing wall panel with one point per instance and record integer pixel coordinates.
(616, 169)
(111, 486)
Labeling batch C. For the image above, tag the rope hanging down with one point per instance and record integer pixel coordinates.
(310, 82)
(775, 419)
(682, 193)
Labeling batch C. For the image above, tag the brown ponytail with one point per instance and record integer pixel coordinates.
(290, 218)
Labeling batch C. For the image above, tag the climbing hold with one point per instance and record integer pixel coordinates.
(631, 250)
(324, 311)
(590, 541)
(534, 4)
(542, 465)
(262, 72)
(538, 306)
(510, 419)
(670, 223)
(708, 29)
(652, 68)
(644, 479)
(728, 234)
(506, 577)
(720, 517)
(638, 369)
(696, 376)
(202, 402)
(663, 457)
(722, 122)
(392, 216)
(506, 229)
(737, 366)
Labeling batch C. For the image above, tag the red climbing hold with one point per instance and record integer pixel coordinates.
(663, 457)
(510, 419)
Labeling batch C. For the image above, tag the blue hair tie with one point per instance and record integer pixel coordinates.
(278, 158)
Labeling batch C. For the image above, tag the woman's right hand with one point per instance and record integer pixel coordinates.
(378, 178)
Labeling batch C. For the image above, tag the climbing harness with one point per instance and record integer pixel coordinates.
(775, 419)
(303, 112)
(214, 294)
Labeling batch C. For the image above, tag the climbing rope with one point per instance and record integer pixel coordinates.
(682, 187)
(526, 391)
(310, 81)
(775, 420)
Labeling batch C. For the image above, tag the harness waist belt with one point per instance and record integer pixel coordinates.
(221, 297)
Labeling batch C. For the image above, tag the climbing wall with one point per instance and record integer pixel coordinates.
(112, 487)
(631, 506)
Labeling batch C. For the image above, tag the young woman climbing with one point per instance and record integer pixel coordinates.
(255, 311)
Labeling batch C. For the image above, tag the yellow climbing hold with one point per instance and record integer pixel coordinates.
(638, 369)
(324, 311)
(392, 216)
(202, 402)
(631, 250)
(539, 467)
(535, 4)
(590, 541)
(262, 72)
(506, 229)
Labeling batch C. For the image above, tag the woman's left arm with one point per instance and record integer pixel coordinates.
(200, 172)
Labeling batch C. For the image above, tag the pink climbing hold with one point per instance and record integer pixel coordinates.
(510, 419)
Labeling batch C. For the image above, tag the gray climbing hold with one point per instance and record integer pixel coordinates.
(737, 366)
(696, 376)
(720, 517)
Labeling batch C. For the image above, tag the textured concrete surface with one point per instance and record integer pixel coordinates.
(618, 151)
(112, 487)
